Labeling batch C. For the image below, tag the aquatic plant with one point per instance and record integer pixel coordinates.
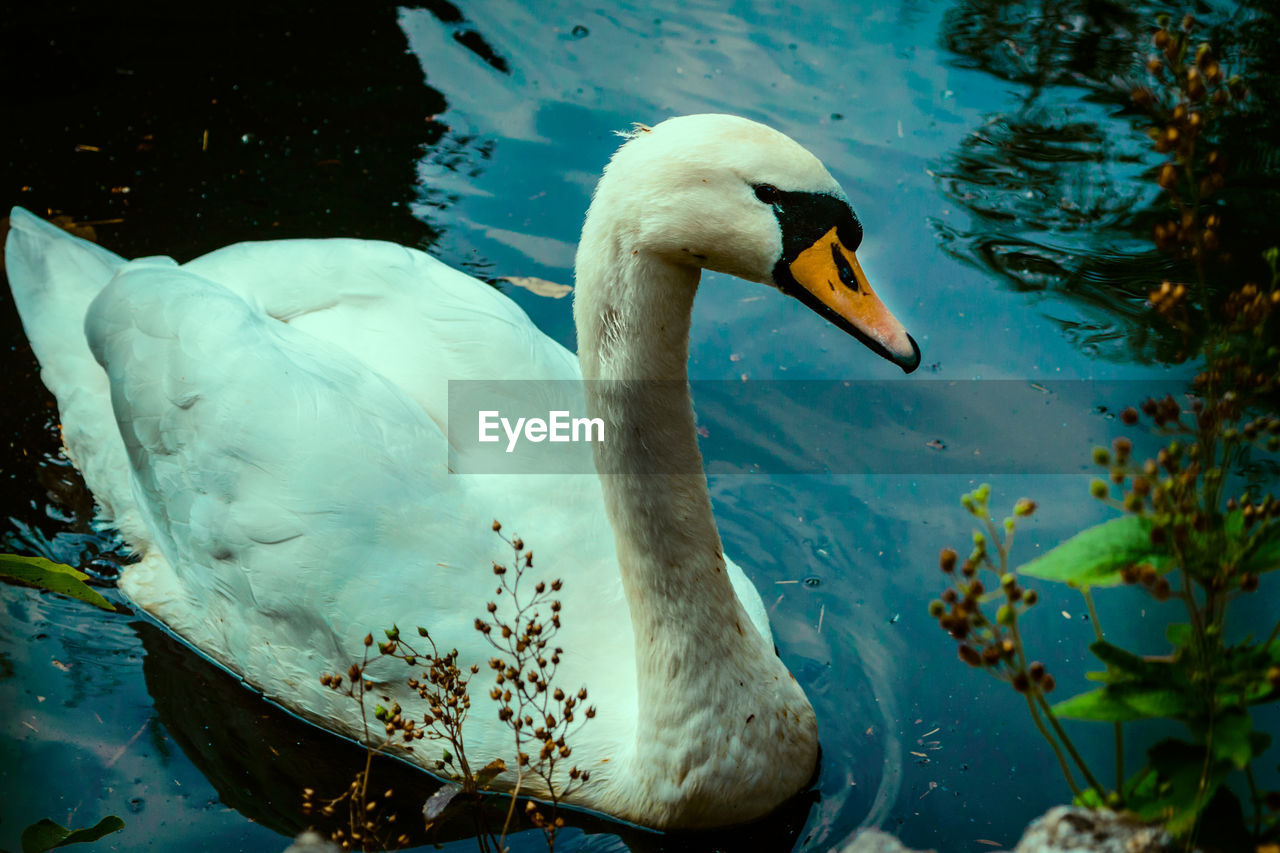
(55, 577)
(541, 715)
(47, 835)
(1191, 532)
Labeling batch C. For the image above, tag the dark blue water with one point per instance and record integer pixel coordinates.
(985, 146)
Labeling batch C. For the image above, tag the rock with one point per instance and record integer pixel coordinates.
(312, 842)
(875, 841)
(1063, 829)
(1067, 829)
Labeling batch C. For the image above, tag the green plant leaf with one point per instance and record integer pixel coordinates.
(55, 577)
(46, 835)
(1263, 554)
(1118, 703)
(1183, 785)
(1233, 525)
(1089, 798)
(1095, 557)
(1179, 634)
(1231, 741)
(1152, 673)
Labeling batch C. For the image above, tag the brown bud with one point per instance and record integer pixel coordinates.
(1161, 590)
(947, 560)
(969, 655)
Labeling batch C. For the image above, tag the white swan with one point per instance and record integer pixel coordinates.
(264, 426)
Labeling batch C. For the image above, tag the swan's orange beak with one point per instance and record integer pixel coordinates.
(832, 283)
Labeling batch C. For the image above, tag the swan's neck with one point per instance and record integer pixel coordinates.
(718, 712)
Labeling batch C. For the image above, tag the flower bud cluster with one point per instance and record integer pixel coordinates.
(1179, 489)
(1189, 93)
(992, 644)
(540, 714)
(370, 823)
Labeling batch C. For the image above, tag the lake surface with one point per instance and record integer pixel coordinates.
(987, 148)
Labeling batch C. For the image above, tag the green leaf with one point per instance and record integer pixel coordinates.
(1231, 741)
(55, 577)
(1152, 673)
(1095, 557)
(1233, 525)
(1184, 785)
(46, 835)
(1179, 634)
(1263, 554)
(1123, 702)
(1089, 798)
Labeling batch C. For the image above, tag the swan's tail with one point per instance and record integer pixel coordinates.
(54, 276)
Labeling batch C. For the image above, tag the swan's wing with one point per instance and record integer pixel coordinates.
(413, 319)
(275, 471)
(54, 276)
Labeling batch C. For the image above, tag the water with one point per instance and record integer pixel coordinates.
(989, 153)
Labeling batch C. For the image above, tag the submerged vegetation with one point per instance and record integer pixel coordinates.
(541, 715)
(1194, 532)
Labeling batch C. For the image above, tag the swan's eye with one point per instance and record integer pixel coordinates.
(768, 193)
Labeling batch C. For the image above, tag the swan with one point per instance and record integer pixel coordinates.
(266, 427)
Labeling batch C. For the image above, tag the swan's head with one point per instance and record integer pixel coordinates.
(732, 195)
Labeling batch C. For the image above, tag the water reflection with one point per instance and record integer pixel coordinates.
(1054, 183)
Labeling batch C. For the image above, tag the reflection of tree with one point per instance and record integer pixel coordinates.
(223, 126)
(1045, 42)
(1053, 187)
(191, 126)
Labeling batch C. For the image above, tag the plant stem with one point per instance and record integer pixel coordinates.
(1118, 727)
(1257, 801)
(1271, 638)
(1066, 741)
(511, 809)
(1057, 750)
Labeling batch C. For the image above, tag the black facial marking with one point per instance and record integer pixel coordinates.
(844, 268)
(804, 218)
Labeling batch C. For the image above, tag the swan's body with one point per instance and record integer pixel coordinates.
(266, 427)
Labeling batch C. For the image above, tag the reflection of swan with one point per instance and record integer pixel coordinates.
(281, 469)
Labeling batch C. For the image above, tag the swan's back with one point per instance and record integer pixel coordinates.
(267, 426)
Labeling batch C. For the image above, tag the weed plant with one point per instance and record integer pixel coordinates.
(1191, 533)
(542, 718)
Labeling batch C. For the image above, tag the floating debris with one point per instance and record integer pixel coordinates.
(540, 286)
